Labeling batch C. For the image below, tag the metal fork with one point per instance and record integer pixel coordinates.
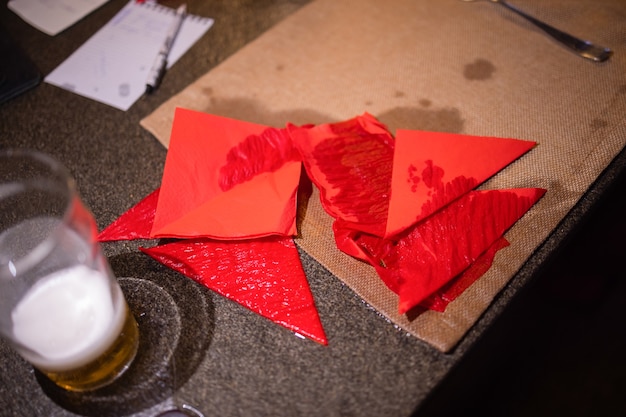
(582, 47)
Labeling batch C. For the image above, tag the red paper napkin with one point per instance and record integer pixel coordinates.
(226, 179)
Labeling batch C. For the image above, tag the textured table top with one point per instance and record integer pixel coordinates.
(200, 349)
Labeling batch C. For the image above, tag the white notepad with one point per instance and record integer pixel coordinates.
(113, 65)
(52, 17)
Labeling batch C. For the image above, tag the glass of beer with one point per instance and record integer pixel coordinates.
(61, 308)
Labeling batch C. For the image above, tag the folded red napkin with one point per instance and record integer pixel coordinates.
(226, 179)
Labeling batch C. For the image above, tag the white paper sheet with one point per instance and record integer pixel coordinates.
(113, 65)
(53, 16)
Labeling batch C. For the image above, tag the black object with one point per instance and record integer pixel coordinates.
(18, 73)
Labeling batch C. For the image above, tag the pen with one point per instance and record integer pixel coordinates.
(158, 68)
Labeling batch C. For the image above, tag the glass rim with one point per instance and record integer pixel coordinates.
(65, 180)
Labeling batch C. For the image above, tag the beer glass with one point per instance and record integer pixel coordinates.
(61, 308)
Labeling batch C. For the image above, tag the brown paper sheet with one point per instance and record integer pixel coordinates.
(446, 65)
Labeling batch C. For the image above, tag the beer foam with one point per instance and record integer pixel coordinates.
(68, 318)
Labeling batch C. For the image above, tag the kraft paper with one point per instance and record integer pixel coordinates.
(449, 66)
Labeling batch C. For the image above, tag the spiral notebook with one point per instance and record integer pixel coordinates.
(113, 65)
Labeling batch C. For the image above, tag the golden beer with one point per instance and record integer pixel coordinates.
(106, 367)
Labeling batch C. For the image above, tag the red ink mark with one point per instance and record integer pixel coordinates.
(432, 175)
(448, 192)
(266, 152)
(438, 192)
(442, 193)
(413, 178)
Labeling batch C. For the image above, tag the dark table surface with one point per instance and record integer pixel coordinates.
(199, 349)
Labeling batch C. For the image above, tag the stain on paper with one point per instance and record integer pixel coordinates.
(413, 118)
(479, 70)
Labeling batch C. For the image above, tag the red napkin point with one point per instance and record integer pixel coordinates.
(263, 275)
(135, 223)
